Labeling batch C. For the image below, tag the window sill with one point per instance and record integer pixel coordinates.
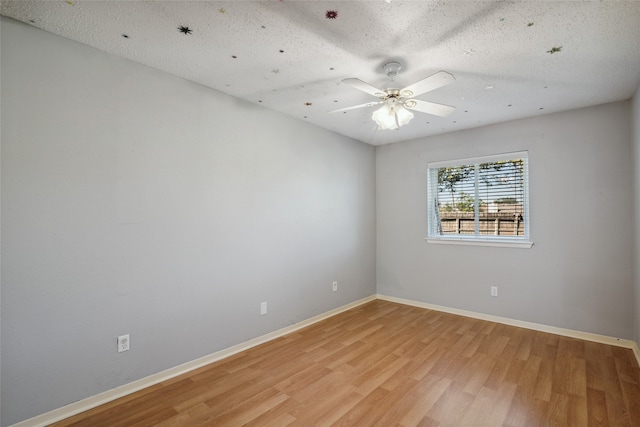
(521, 244)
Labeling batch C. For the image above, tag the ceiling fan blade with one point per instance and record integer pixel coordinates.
(365, 87)
(368, 104)
(429, 107)
(434, 81)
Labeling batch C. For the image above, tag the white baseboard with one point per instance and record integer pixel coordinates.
(587, 336)
(636, 351)
(110, 395)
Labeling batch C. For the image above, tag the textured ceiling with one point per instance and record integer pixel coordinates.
(510, 59)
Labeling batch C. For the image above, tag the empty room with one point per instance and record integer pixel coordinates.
(301, 213)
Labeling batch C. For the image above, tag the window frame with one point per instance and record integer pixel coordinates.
(476, 239)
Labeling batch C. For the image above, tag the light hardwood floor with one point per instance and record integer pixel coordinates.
(389, 364)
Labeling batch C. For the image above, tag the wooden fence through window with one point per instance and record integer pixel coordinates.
(491, 224)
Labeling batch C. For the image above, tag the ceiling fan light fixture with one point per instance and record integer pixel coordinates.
(385, 118)
(392, 115)
(398, 103)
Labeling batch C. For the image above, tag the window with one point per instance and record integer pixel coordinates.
(483, 200)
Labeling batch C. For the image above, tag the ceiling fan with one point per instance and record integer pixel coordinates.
(397, 102)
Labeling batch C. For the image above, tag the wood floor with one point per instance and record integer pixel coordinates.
(388, 364)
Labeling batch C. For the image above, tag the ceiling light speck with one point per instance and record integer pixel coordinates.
(489, 87)
(331, 14)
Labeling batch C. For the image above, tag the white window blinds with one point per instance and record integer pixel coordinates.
(483, 198)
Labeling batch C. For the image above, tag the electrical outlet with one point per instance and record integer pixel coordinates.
(494, 291)
(335, 286)
(123, 343)
(263, 308)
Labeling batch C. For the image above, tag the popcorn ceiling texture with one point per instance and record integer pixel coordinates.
(538, 57)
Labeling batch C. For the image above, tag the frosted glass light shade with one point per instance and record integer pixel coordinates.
(385, 118)
(404, 116)
(392, 115)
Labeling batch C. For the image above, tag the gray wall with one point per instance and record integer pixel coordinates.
(636, 191)
(137, 202)
(578, 274)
